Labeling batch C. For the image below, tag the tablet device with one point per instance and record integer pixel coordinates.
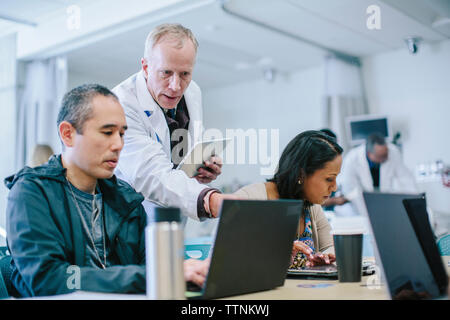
(201, 152)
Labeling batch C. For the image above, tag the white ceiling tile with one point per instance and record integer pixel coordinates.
(231, 50)
(425, 12)
(26, 9)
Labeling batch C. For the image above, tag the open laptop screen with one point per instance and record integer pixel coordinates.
(405, 267)
(417, 212)
(252, 247)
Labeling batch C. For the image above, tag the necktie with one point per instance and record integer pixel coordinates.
(171, 113)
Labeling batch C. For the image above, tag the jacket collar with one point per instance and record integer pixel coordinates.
(53, 169)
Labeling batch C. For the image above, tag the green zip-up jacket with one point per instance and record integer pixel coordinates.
(45, 235)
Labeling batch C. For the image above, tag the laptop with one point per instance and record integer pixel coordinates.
(326, 271)
(403, 265)
(252, 247)
(417, 213)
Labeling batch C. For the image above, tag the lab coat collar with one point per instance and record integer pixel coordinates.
(143, 95)
(366, 177)
(153, 111)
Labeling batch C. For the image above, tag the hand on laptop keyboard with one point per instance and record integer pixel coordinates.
(195, 271)
(193, 287)
(321, 259)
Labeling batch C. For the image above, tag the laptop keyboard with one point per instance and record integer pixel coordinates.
(192, 287)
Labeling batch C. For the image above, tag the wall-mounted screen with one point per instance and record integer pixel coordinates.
(360, 127)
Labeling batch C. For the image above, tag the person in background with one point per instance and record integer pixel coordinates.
(163, 107)
(336, 198)
(71, 224)
(41, 154)
(376, 165)
(307, 170)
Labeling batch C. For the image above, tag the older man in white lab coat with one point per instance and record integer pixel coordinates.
(160, 101)
(377, 165)
(374, 166)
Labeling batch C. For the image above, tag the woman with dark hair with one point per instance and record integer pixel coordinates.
(307, 170)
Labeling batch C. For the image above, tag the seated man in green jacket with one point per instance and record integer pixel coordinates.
(72, 218)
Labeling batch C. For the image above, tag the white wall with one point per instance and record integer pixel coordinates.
(290, 104)
(76, 79)
(414, 91)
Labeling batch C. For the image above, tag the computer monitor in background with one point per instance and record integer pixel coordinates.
(362, 126)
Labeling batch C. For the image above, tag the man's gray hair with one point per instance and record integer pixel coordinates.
(76, 107)
(174, 31)
(372, 140)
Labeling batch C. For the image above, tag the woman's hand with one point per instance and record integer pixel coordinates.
(320, 259)
(302, 247)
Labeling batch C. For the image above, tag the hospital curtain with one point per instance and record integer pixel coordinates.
(8, 116)
(45, 85)
(343, 96)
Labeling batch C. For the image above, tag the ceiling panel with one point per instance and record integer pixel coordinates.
(434, 14)
(18, 14)
(230, 50)
(233, 50)
(339, 25)
(26, 9)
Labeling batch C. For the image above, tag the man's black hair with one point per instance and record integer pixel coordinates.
(372, 140)
(76, 105)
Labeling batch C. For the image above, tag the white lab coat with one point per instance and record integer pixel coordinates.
(394, 175)
(355, 177)
(145, 161)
